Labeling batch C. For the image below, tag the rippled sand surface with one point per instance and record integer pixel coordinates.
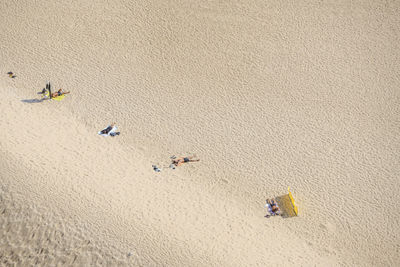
(268, 94)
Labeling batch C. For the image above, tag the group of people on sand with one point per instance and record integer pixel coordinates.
(60, 91)
(271, 204)
(110, 129)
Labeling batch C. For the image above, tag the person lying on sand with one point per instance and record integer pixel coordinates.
(108, 129)
(59, 93)
(179, 161)
(272, 208)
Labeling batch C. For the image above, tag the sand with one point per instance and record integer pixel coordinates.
(268, 94)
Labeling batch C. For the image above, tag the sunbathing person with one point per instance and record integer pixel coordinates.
(272, 208)
(59, 93)
(179, 161)
(108, 129)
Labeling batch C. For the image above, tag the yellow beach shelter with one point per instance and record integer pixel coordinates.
(292, 200)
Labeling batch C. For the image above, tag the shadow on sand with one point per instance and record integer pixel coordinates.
(33, 100)
(286, 206)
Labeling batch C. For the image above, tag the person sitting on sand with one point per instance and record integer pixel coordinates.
(272, 207)
(179, 161)
(59, 93)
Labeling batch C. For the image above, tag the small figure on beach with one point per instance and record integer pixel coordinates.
(11, 74)
(60, 92)
(155, 168)
(110, 130)
(179, 161)
(273, 208)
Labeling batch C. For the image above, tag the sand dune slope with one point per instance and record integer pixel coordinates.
(109, 193)
(267, 93)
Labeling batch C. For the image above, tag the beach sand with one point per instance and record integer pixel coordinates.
(268, 94)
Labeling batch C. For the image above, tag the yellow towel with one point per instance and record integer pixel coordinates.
(58, 98)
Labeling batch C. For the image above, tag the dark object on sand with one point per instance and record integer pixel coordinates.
(11, 74)
(155, 168)
(48, 87)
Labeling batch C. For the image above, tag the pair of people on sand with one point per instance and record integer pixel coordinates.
(60, 92)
